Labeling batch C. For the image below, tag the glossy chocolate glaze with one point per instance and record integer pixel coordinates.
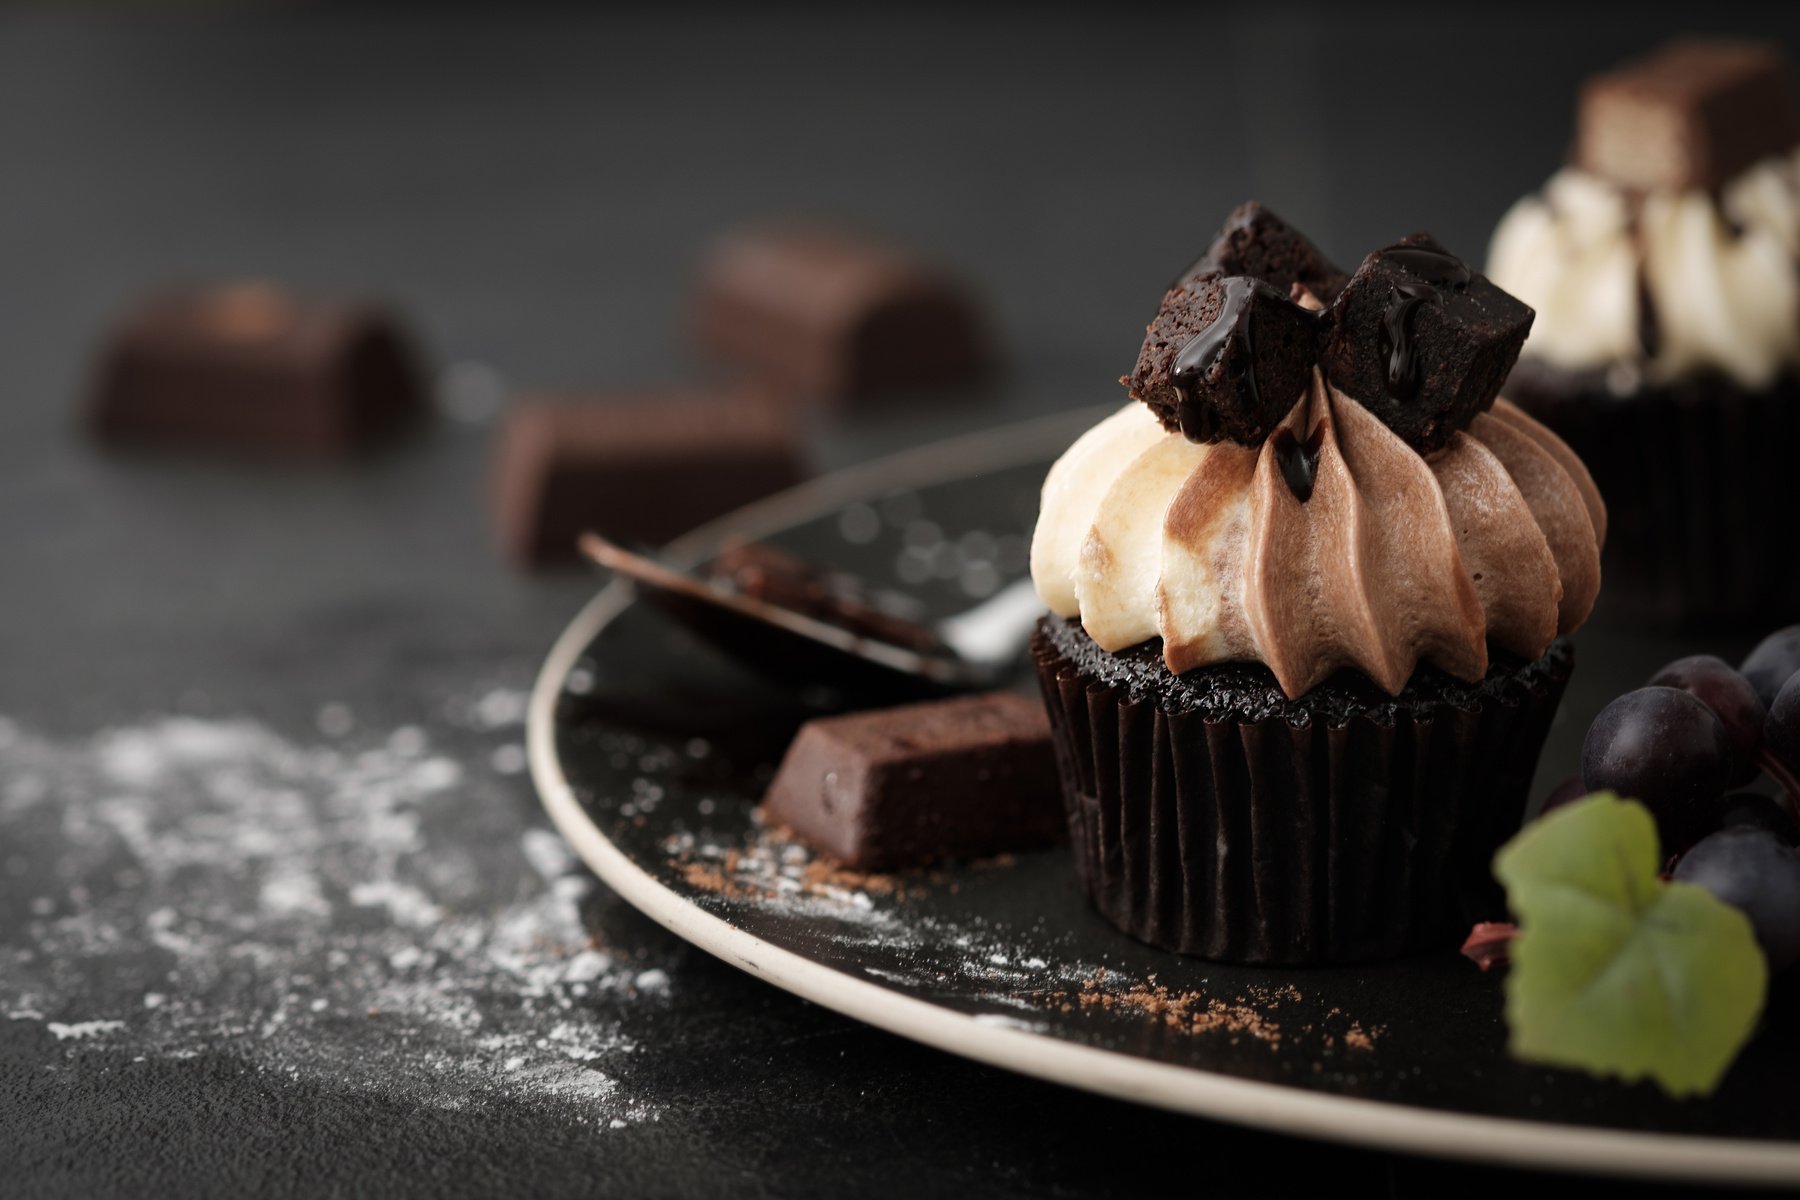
(1435, 270)
(1233, 328)
(1299, 461)
(1204, 348)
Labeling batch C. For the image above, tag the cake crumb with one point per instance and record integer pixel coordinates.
(1191, 1012)
(775, 865)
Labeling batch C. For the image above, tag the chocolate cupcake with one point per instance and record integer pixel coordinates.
(1664, 264)
(1307, 607)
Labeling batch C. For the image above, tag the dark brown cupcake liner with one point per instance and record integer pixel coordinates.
(1264, 841)
(1697, 477)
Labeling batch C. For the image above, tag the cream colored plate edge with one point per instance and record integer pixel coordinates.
(1525, 1144)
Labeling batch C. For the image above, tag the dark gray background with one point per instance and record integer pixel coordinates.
(531, 187)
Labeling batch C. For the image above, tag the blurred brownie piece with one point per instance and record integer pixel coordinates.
(636, 468)
(831, 315)
(255, 368)
(905, 787)
(1691, 115)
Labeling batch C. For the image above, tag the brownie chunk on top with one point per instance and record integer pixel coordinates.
(1423, 341)
(1256, 242)
(1415, 336)
(1230, 350)
(1226, 357)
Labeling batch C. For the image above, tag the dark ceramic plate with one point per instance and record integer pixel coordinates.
(650, 752)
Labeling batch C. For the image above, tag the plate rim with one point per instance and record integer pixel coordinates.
(1275, 1107)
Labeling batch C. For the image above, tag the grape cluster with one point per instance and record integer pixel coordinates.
(1681, 744)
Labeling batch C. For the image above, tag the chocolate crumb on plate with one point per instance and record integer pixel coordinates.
(905, 787)
(254, 368)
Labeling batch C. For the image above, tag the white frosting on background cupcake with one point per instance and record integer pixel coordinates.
(1721, 273)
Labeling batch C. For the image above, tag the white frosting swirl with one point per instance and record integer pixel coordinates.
(1722, 274)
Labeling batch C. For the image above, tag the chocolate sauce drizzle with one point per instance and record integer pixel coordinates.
(1435, 270)
(1299, 461)
(1396, 333)
(1197, 357)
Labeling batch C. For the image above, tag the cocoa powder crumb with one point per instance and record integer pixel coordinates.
(1193, 1013)
(776, 865)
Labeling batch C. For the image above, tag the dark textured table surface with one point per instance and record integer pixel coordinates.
(278, 912)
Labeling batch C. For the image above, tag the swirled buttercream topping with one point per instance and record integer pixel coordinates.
(1332, 544)
(1671, 282)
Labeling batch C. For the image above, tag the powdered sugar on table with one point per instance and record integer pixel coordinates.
(268, 898)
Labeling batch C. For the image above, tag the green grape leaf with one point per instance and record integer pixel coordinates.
(1615, 971)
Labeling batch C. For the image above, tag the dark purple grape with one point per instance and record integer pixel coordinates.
(1663, 747)
(1755, 872)
(1732, 700)
(1773, 662)
(1566, 792)
(1782, 729)
(1752, 810)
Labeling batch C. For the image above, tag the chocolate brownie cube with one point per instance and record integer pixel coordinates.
(905, 787)
(1422, 340)
(1256, 242)
(1226, 357)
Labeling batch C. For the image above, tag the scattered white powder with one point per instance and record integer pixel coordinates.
(273, 897)
(508, 759)
(587, 966)
(287, 892)
(548, 854)
(500, 708)
(865, 913)
(405, 904)
(83, 1029)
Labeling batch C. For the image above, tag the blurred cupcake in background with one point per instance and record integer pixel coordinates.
(1664, 265)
